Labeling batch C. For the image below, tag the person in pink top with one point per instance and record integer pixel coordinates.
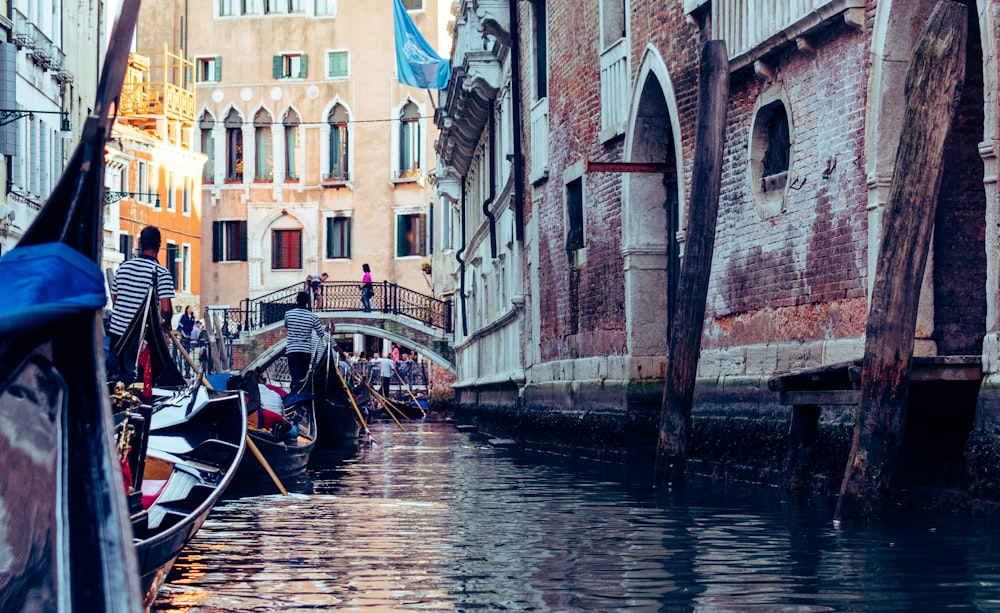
(367, 291)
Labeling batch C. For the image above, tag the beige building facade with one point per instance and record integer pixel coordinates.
(317, 157)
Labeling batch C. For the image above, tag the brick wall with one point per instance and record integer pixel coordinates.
(583, 305)
(798, 275)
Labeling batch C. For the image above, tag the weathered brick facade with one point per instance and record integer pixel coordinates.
(815, 111)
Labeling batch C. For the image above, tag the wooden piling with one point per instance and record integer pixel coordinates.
(692, 292)
(933, 84)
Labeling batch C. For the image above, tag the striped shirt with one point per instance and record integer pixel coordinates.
(129, 286)
(300, 324)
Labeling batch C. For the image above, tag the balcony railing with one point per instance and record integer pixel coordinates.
(338, 296)
(161, 90)
(615, 88)
(748, 24)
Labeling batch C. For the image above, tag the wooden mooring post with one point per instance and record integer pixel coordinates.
(933, 84)
(692, 291)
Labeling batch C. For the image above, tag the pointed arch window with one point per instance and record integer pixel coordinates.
(409, 142)
(291, 123)
(264, 147)
(207, 126)
(339, 169)
(234, 147)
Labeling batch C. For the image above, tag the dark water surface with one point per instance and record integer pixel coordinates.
(435, 520)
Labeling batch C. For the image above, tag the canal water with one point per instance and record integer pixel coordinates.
(433, 519)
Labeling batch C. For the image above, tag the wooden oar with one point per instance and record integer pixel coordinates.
(350, 396)
(267, 467)
(253, 447)
(389, 408)
(410, 392)
(385, 402)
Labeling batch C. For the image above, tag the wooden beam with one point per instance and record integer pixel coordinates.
(650, 167)
(932, 85)
(692, 288)
(820, 397)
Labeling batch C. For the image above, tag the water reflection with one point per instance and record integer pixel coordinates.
(435, 520)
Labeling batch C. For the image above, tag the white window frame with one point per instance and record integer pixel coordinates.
(405, 212)
(186, 197)
(329, 54)
(573, 173)
(186, 268)
(171, 191)
(394, 169)
(347, 214)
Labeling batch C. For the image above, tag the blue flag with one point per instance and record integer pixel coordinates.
(417, 63)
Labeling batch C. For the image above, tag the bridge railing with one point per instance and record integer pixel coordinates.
(341, 296)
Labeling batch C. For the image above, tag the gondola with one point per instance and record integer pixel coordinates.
(185, 449)
(285, 441)
(337, 407)
(64, 523)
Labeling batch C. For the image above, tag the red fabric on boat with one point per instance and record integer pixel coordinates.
(274, 388)
(267, 419)
(151, 489)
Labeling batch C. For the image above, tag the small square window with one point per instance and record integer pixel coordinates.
(229, 241)
(413, 5)
(337, 64)
(290, 66)
(338, 238)
(286, 249)
(209, 69)
(410, 235)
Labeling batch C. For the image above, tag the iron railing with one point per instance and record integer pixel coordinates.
(335, 297)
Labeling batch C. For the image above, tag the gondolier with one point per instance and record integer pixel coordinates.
(300, 323)
(129, 289)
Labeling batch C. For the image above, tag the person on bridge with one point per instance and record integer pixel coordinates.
(300, 323)
(367, 291)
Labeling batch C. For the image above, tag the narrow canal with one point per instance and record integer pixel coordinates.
(434, 519)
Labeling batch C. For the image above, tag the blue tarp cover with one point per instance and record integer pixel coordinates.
(40, 284)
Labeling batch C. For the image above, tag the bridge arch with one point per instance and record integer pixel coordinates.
(432, 344)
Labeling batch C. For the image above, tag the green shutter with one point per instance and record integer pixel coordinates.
(218, 68)
(243, 240)
(329, 238)
(421, 234)
(278, 66)
(338, 64)
(217, 237)
(401, 236)
(347, 237)
(304, 66)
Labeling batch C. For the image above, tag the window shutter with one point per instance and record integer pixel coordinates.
(347, 237)
(401, 246)
(243, 240)
(418, 155)
(277, 66)
(304, 66)
(218, 68)
(420, 234)
(217, 236)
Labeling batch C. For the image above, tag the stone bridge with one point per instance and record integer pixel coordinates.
(252, 348)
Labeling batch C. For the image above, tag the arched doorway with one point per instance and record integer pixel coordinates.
(652, 217)
(953, 304)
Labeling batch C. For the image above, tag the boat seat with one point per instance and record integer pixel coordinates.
(151, 490)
